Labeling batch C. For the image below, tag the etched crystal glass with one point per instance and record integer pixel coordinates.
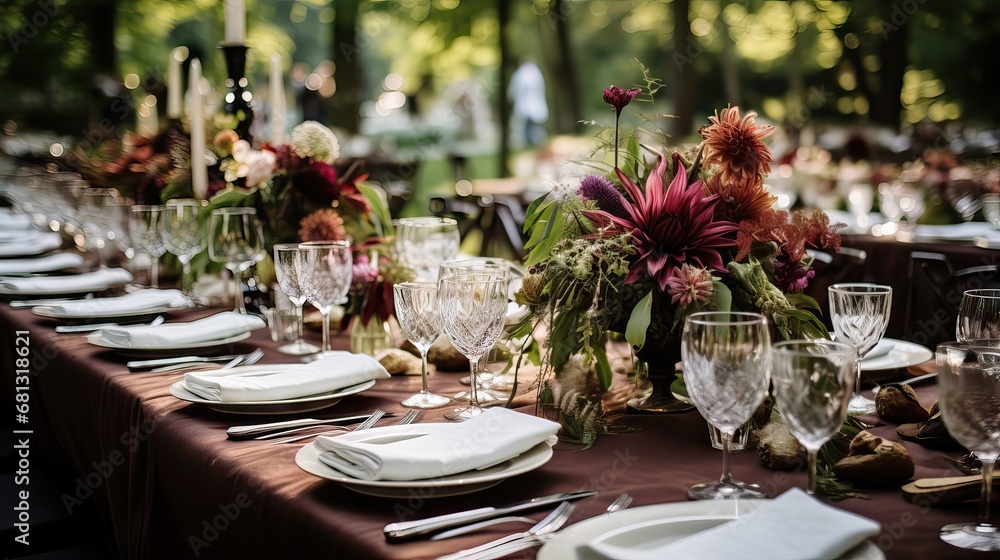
(420, 320)
(727, 363)
(813, 381)
(860, 314)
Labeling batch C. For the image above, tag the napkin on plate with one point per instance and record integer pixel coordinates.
(793, 526)
(48, 263)
(35, 244)
(275, 382)
(883, 347)
(77, 283)
(136, 302)
(216, 327)
(419, 451)
(12, 221)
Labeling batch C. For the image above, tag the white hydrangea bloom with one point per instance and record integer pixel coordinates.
(313, 140)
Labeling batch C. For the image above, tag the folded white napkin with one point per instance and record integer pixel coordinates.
(48, 263)
(10, 220)
(89, 281)
(275, 382)
(419, 451)
(135, 302)
(35, 244)
(215, 327)
(883, 347)
(793, 526)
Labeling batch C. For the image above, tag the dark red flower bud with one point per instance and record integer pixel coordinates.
(618, 97)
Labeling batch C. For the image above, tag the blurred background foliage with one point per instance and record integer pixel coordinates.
(887, 63)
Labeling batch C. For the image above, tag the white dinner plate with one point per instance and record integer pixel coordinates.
(167, 350)
(287, 406)
(53, 313)
(652, 526)
(61, 291)
(441, 487)
(903, 354)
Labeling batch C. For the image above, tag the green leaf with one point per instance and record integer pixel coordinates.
(544, 218)
(722, 297)
(803, 301)
(638, 322)
(602, 365)
(535, 210)
(550, 236)
(633, 153)
(380, 212)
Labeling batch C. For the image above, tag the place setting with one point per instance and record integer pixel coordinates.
(435, 459)
(281, 388)
(209, 334)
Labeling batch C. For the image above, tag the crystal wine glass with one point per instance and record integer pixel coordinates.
(979, 315)
(99, 220)
(286, 257)
(727, 362)
(324, 271)
(236, 239)
(424, 243)
(420, 319)
(144, 229)
(860, 314)
(969, 384)
(813, 381)
(182, 234)
(490, 388)
(473, 307)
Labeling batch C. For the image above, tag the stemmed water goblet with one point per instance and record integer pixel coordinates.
(420, 320)
(286, 269)
(100, 220)
(424, 243)
(324, 271)
(182, 234)
(969, 383)
(490, 388)
(978, 318)
(860, 313)
(235, 239)
(727, 361)
(473, 308)
(813, 381)
(979, 315)
(144, 230)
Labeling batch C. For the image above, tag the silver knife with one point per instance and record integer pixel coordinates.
(243, 432)
(412, 529)
(142, 364)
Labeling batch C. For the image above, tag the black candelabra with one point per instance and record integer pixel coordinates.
(238, 97)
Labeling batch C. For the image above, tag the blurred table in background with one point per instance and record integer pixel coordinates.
(904, 266)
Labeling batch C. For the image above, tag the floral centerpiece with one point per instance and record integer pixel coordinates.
(296, 188)
(639, 249)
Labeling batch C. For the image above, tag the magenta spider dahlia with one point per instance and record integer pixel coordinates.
(671, 224)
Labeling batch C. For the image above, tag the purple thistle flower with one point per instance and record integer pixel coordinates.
(593, 187)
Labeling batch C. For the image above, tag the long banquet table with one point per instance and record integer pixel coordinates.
(169, 484)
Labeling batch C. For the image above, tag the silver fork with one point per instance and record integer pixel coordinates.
(241, 360)
(620, 503)
(370, 422)
(552, 522)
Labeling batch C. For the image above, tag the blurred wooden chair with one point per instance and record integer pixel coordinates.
(935, 294)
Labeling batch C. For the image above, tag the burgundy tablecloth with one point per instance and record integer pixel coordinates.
(170, 485)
